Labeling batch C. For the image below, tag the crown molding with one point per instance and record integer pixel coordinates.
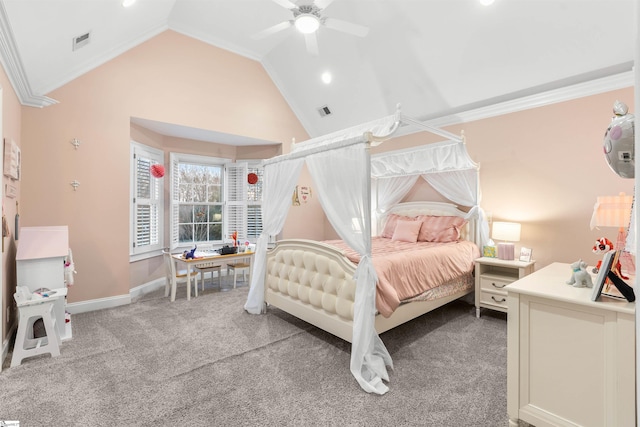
(10, 59)
(567, 93)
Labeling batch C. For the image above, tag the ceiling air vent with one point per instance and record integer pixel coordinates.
(324, 111)
(81, 41)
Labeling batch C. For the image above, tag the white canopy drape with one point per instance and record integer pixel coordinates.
(279, 180)
(342, 168)
(446, 166)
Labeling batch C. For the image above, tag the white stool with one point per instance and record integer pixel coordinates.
(31, 308)
(235, 267)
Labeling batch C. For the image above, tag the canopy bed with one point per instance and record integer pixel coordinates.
(333, 288)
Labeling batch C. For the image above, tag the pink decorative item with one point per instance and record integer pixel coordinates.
(615, 133)
(157, 170)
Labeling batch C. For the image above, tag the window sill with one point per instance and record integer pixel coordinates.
(145, 255)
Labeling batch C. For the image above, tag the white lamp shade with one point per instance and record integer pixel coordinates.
(506, 231)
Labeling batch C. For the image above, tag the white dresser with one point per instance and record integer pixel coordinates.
(571, 361)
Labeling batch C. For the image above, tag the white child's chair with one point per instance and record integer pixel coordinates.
(210, 267)
(32, 307)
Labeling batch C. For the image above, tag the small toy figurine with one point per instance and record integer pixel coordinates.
(580, 278)
(604, 245)
(190, 254)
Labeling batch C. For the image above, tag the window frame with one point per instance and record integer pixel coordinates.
(256, 164)
(233, 172)
(156, 156)
(174, 203)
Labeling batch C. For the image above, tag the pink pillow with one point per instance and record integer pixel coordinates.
(407, 231)
(390, 225)
(441, 229)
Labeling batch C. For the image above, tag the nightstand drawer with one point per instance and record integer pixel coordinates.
(495, 300)
(494, 283)
(492, 277)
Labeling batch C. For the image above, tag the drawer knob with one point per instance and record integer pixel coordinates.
(496, 300)
(496, 286)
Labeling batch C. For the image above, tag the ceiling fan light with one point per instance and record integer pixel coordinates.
(307, 23)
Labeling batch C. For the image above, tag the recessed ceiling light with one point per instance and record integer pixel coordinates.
(127, 3)
(326, 77)
(486, 2)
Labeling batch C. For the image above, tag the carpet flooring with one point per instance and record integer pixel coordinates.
(206, 362)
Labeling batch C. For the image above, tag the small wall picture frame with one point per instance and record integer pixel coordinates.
(11, 166)
(10, 190)
(525, 254)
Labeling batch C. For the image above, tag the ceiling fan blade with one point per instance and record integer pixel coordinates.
(312, 43)
(346, 27)
(272, 30)
(323, 4)
(286, 4)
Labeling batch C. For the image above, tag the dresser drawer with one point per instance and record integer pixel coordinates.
(497, 301)
(494, 283)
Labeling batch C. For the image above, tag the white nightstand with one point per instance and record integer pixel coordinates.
(492, 275)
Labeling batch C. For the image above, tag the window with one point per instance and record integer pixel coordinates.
(254, 204)
(147, 196)
(210, 199)
(244, 200)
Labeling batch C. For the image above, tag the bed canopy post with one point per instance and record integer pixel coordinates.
(478, 232)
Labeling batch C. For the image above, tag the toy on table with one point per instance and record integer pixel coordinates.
(190, 254)
(604, 245)
(580, 277)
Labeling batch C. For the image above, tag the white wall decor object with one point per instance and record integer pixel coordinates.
(11, 159)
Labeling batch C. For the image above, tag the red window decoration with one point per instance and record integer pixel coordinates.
(157, 170)
(252, 178)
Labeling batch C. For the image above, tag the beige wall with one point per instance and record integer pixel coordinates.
(169, 78)
(542, 167)
(11, 124)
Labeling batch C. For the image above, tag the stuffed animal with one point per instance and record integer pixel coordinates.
(190, 254)
(602, 246)
(580, 277)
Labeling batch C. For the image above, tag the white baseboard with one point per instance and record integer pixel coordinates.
(92, 305)
(115, 301)
(5, 344)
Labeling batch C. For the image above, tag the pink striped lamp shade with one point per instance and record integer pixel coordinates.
(612, 211)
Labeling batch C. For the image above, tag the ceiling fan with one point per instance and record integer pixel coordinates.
(307, 19)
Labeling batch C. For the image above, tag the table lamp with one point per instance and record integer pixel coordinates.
(615, 211)
(506, 232)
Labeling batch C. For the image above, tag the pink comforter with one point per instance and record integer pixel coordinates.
(406, 270)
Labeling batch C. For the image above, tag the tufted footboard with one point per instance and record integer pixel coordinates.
(314, 282)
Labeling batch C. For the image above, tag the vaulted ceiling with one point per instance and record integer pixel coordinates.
(440, 59)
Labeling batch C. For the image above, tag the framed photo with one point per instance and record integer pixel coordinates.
(525, 254)
(11, 166)
(605, 267)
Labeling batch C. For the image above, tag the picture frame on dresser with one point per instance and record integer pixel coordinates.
(525, 254)
(601, 279)
(614, 287)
